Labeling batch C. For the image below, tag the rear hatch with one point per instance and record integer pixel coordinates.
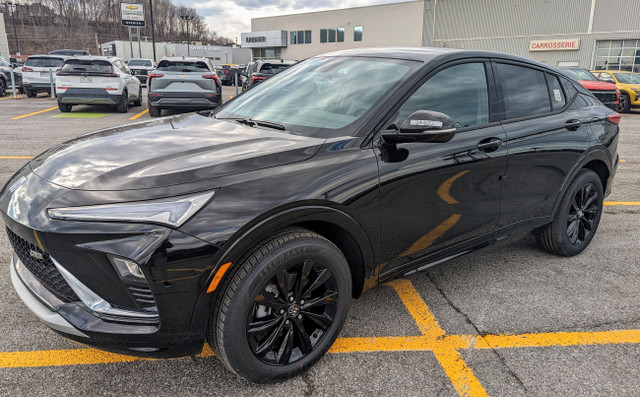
(267, 70)
(183, 77)
(88, 73)
(37, 69)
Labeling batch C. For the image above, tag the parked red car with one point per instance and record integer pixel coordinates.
(607, 93)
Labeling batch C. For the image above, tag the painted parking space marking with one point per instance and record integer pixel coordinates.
(79, 115)
(612, 203)
(34, 113)
(16, 157)
(139, 114)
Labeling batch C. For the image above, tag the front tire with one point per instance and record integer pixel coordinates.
(283, 307)
(625, 103)
(577, 218)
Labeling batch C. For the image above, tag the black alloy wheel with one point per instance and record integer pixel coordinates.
(582, 214)
(292, 312)
(281, 307)
(577, 217)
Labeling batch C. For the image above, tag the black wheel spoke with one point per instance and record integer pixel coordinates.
(286, 347)
(323, 320)
(588, 224)
(282, 278)
(303, 337)
(268, 343)
(269, 300)
(303, 280)
(590, 200)
(328, 298)
(572, 231)
(323, 276)
(263, 325)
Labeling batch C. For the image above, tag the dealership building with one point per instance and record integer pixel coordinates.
(4, 42)
(602, 34)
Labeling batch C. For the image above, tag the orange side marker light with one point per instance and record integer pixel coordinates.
(218, 277)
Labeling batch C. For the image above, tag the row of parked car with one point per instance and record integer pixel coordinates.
(619, 90)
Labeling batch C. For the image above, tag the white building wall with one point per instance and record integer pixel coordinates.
(4, 42)
(397, 24)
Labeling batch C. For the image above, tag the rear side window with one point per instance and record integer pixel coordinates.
(558, 99)
(459, 91)
(524, 91)
(45, 62)
(93, 66)
(182, 66)
(569, 88)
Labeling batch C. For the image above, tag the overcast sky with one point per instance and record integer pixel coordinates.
(229, 18)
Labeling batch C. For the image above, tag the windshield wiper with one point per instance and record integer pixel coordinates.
(261, 123)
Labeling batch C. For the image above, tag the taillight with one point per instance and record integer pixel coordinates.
(152, 75)
(617, 97)
(211, 77)
(257, 78)
(614, 118)
(226, 71)
(27, 69)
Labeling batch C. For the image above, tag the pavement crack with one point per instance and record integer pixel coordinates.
(311, 387)
(475, 327)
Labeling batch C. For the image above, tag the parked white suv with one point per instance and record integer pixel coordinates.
(89, 80)
(36, 73)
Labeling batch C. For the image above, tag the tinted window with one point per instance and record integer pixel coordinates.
(140, 62)
(580, 74)
(182, 66)
(628, 78)
(45, 62)
(524, 91)
(459, 91)
(323, 35)
(569, 88)
(558, 99)
(87, 66)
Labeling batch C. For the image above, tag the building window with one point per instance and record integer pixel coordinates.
(340, 35)
(266, 53)
(307, 37)
(357, 33)
(300, 36)
(618, 55)
(332, 35)
(293, 37)
(323, 35)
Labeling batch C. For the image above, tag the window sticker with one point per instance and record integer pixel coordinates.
(556, 95)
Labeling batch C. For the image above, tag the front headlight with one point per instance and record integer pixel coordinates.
(173, 211)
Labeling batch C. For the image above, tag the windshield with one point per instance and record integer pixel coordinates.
(323, 96)
(45, 62)
(182, 66)
(580, 74)
(140, 62)
(628, 78)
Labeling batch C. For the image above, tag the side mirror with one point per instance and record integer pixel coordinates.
(423, 126)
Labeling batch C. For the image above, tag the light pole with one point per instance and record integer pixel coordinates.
(187, 18)
(12, 6)
(153, 33)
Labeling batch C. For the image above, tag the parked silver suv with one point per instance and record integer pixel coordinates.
(183, 83)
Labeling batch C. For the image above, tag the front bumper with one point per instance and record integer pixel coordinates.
(88, 96)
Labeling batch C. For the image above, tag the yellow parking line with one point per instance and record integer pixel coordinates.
(609, 203)
(139, 114)
(623, 161)
(34, 113)
(16, 157)
(11, 97)
(558, 339)
(421, 314)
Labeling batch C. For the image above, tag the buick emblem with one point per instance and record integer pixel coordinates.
(36, 254)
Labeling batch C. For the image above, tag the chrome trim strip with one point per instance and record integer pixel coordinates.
(96, 303)
(50, 318)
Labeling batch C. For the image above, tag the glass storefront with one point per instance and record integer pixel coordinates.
(618, 55)
(266, 53)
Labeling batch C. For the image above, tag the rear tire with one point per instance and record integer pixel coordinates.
(625, 103)
(282, 307)
(577, 217)
(30, 94)
(3, 88)
(123, 104)
(154, 111)
(138, 102)
(64, 108)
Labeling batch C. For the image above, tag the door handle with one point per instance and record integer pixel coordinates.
(489, 144)
(573, 124)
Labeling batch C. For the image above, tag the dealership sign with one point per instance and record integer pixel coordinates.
(132, 15)
(269, 38)
(554, 45)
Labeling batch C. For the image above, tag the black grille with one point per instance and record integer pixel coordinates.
(143, 296)
(605, 96)
(42, 269)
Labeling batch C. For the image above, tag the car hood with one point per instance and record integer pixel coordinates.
(170, 151)
(597, 85)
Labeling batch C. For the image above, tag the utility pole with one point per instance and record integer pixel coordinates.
(12, 7)
(153, 33)
(187, 18)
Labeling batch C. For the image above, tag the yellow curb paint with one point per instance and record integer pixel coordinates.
(139, 114)
(34, 113)
(611, 203)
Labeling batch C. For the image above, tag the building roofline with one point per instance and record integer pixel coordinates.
(339, 9)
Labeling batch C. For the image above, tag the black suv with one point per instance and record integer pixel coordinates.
(263, 69)
(253, 226)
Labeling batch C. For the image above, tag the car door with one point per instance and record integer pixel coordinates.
(436, 198)
(545, 137)
(130, 81)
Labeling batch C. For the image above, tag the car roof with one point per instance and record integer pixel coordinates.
(49, 56)
(93, 57)
(612, 71)
(140, 59)
(187, 59)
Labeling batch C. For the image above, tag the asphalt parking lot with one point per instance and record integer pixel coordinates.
(510, 320)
